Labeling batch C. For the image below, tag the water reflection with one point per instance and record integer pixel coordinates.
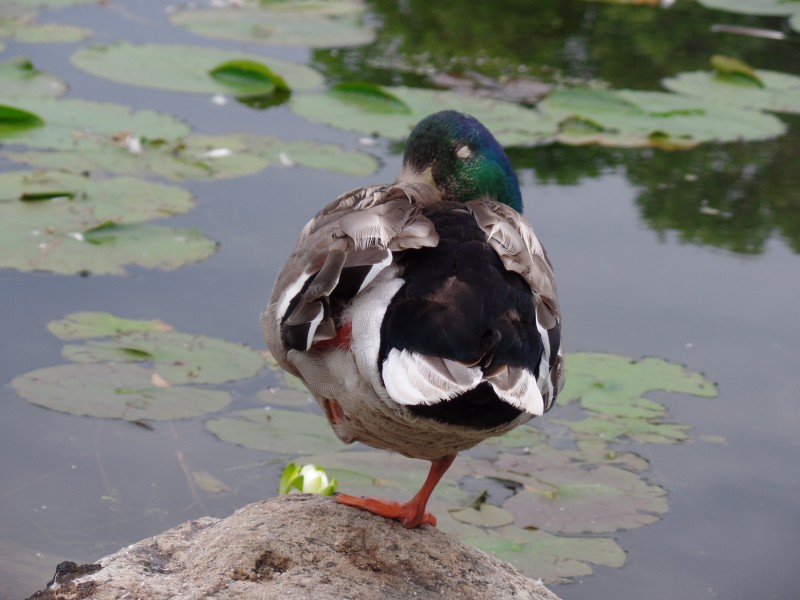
(732, 196)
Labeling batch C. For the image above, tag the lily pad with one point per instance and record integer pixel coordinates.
(118, 388)
(202, 157)
(754, 7)
(541, 555)
(192, 68)
(16, 119)
(66, 223)
(19, 23)
(617, 429)
(348, 109)
(486, 515)
(176, 357)
(115, 391)
(615, 385)
(83, 325)
(76, 124)
(18, 77)
(278, 431)
(572, 499)
(309, 23)
(627, 118)
(779, 92)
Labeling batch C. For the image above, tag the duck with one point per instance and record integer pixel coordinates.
(422, 315)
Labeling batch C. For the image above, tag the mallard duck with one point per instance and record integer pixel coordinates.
(422, 315)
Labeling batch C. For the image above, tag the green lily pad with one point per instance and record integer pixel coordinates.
(572, 499)
(18, 22)
(754, 7)
(618, 429)
(114, 391)
(64, 223)
(780, 92)
(369, 97)
(83, 325)
(202, 157)
(248, 78)
(107, 383)
(541, 555)
(278, 431)
(192, 69)
(18, 77)
(177, 357)
(77, 124)
(627, 118)
(346, 108)
(615, 385)
(308, 23)
(486, 515)
(15, 119)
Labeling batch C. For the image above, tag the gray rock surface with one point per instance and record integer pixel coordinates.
(297, 546)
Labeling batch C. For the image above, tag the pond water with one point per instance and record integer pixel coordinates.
(689, 256)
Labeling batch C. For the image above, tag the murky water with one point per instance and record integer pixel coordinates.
(642, 271)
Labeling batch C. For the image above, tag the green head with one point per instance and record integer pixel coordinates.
(462, 158)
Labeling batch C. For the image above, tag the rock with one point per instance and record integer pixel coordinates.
(294, 547)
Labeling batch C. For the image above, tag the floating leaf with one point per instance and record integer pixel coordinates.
(314, 24)
(614, 385)
(76, 124)
(369, 97)
(116, 391)
(617, 429)
(202, 157)
(177, 357)
(572, 499)
(249, 78)
(83, 225)
(541, 555)
(780, 92)
(19, 23)
(190, 68)
(485, 515)
(627, 118)
(18, 77)
(510, 123)
(83, 325)
(734, 70)
(279, 431)
(208, 483)
(15, 119)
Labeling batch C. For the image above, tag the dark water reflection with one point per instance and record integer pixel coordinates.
(689, 256)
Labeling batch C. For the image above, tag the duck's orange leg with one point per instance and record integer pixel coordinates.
(412, 513)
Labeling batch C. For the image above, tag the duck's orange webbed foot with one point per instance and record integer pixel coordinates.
(409, 514)
(412, 513)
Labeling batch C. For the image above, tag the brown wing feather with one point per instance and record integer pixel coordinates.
(359, 229)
